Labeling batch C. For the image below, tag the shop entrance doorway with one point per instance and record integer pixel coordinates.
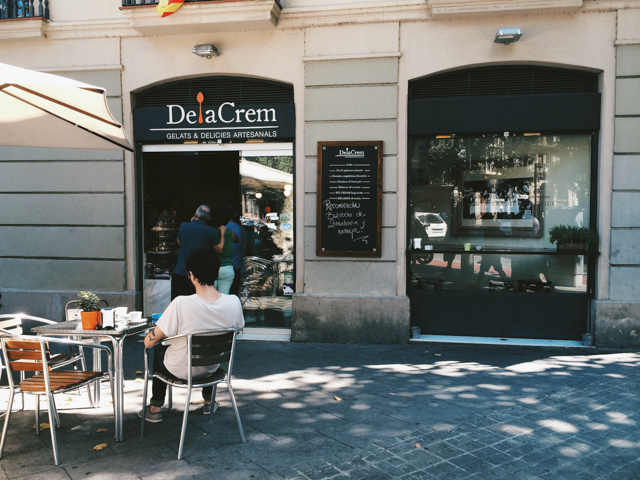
(257, 182)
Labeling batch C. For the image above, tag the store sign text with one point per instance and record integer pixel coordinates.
(221, 135)
(228, 121)
(177, 115)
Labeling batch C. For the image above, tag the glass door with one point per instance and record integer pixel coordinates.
(266, 183)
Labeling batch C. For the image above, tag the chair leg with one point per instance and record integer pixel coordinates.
(214, 405)
(144, 404)
(37, 414)
(113, 402)
(55, 414)
(6, 422)
(184, 423)
(83, 362)
(235, 407)
(22, 377)
(52, 428)
(89, 393)
(170, 398)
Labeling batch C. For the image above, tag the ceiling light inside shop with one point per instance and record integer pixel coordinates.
(207, 50)
(287, 190)
(258, 195)
(508, 35)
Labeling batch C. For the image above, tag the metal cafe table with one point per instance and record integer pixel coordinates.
(117, 337)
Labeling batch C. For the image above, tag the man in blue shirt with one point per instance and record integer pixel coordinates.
(238, 248)
(193, 236)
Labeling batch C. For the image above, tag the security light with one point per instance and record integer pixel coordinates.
(207, 50)
(508, 35)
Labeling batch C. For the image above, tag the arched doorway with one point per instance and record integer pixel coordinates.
(226, 142)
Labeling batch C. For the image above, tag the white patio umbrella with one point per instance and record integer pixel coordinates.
(256, 175)
(43, 110)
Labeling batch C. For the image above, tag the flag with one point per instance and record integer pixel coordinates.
(167, 7)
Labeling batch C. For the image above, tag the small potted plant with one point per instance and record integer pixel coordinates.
(90, 313)
(573, 239)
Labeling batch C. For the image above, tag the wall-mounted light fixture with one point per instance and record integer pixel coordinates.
(207, 50)
(508, 35)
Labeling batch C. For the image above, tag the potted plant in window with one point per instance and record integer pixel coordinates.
(573, 239)
(90, 313)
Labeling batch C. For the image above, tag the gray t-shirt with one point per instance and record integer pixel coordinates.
(191, 314)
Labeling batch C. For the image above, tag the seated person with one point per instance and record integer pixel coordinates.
(207, 309)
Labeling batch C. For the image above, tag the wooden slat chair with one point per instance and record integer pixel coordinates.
(12, 324)
(27, 353)
(204, 349)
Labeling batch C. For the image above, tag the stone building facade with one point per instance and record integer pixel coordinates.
(71, 219)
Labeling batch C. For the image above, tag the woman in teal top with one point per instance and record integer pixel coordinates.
(226, 273)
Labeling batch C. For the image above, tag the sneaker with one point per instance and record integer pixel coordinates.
(206, 408)
(151, 417)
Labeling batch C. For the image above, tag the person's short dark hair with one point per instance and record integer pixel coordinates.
(233, 215)
(204, 266)
(203, 213)
(218, 217)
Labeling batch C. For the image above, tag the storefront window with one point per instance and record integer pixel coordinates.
(498, 196)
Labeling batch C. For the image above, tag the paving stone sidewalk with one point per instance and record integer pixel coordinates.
(320, 411)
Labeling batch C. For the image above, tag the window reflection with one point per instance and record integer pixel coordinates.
(497, 193)
(267, 220)
(499, 272)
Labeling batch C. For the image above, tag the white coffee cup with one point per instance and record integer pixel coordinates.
(417, 243)
(121, 313)
(135, 316)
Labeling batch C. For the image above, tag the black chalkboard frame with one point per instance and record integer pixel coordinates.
(377, 253)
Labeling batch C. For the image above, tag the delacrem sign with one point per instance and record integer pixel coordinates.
(227, 121)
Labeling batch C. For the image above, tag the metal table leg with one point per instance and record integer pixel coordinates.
(97, 366)
(116, 397)
(119, 355)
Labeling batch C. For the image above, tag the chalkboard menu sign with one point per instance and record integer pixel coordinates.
(349, 209)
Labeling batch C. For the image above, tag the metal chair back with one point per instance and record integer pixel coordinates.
(71, 312)
(208, 350)
(12, 325)
(24, 356)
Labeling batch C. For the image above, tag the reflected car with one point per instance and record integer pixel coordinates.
(434, 225)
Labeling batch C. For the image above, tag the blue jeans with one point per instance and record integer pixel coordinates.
(225, 279)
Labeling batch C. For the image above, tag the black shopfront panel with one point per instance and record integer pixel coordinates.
(495, 172)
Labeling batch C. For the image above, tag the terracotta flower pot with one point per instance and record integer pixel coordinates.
(90, 320)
